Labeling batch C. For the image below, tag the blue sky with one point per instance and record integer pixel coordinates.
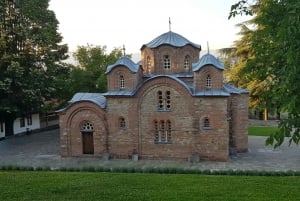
(136, 22)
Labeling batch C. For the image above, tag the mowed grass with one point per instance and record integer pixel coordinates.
(261, 130)
(135, 186)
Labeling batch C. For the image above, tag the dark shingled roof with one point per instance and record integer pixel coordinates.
(170, 38)
(234, 90)
(124, 61)
(207, 59)
(96, 98)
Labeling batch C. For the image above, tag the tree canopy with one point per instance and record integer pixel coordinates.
(30, 51)
(275, 59)
(89, 74)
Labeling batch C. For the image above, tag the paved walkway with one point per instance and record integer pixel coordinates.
(42, 150)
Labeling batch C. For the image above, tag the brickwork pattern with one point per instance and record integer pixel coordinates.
(130, 79)
(201, 127)
(215, 74)
(177, 57)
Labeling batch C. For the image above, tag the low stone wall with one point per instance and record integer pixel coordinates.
(255, 122)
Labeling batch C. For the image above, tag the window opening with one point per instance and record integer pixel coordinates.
(162, 131)
(164, 101)
(122, 82)
(122, 123)
(208, 81)
(156, 131)
(87, 127)
(148, 64)
(168, 135)
(187, 62)
(206, 122)
(167, 62)
(22, 122)
(168, 100)
(160, 101)
(29, 120)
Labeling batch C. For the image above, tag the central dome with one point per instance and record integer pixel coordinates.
(170, 38)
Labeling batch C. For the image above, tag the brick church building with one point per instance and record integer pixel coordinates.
(171, 105)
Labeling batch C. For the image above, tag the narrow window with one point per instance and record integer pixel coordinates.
(168, 130)
(168, 100)
(29, 120)
(22, 122)
(206, 122)
(160, 100)
(122, 123)
(156, 131)
(162, 132)
(208, 81)
(122, 82)
(187, 62)
(167, 62)
(162, 137)
(148, 64)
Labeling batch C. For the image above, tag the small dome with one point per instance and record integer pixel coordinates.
(170, 38)
(207, 59)
(124, 61)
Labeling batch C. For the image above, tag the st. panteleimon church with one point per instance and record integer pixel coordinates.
(171, 105)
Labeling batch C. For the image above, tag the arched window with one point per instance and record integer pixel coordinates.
(87, 127)
(186, 62)
(122, 123)
(167, 62)
(160, 100)
(168, 131)
(168, 100)
(148, 64)
(164, 101)
(206, 123)
(208, 82)
(156, 131)
(122, 82)
(162, 132)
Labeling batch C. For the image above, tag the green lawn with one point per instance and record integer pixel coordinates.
(261, 130)
(125, 186)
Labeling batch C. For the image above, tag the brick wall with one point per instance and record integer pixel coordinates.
(176, 55)
(239, 118)
(131, 79)
(70, 123)
(201, 75)
(122, 141)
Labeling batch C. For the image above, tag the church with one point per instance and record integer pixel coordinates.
(171, 105)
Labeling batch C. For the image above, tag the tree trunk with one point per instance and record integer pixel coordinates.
(9, 126)
(266, 114)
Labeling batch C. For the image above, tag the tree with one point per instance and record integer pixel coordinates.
(235, 64)
(89, 75)
(30, 52)
(276, 59)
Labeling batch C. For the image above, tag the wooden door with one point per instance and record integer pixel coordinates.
(87, 143)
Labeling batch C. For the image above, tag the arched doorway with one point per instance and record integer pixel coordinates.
(87, 132)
